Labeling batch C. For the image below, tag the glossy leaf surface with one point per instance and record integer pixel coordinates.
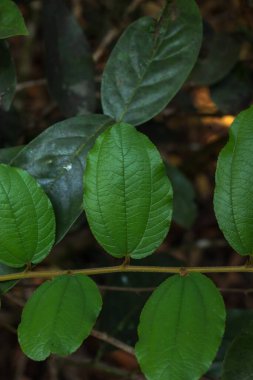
(7, 77)
(57, 158)
(68, 60)
(150, 63)
(27, 223)
(59, 316)
(11, 20)
(127, 195)
(234, 185)
(180, 329)
(238, 364)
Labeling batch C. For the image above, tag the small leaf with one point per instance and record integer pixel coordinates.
(234, 185)
(127, 195)
(57, 158)
(59, 316)
(5, 286)
(184, 206)
(218, 56)
(238, 364)
(69, 65)
(150, 63)
(27, 225)
(7, 77)
(180, 329)
(11, 20)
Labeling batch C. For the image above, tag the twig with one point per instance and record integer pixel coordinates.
(112, 341)
(31, 83)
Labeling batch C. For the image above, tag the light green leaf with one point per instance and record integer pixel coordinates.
(68, 59)
(57, 158)
(27, 224)
(180, 329)
(184, 206)
(7, 77)
(59, 316)
(150, 63)
(238, 364)
(11, 20)
(234, 185)
(127, 195)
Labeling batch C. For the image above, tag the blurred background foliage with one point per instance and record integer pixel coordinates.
(53, 83)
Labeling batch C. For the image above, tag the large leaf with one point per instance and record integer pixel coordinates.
(127, 195)
(59, 316)
(184, 206)
(57, 158)
(219, 54)
(11, 20)
(7, 77)
(68, 59)
(180, 329)
(234, 185)
(150, 63)
(238, 364)
(27, 223)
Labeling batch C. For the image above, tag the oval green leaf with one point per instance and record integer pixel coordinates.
(27, 223)
(127, 195)
(59, 316)
(180, 330)
(234, 185)
(7, 77)
(11, 20)
(57, 158)
(150, 63)
(238, 364)
(68, 59)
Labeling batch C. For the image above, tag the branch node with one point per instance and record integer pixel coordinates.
(183, 272)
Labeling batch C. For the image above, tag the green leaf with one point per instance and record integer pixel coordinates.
(7, 154)
(219, 54)
(238, 364)
(184, 206)
(180, 329)
(69, 65)
(11, 20)
(127, 195)
(27, 224)
(57, 158)
(234, 185)
(150, 63)
(59, 316)
(236, 321)
(5, 286)
(7, 77)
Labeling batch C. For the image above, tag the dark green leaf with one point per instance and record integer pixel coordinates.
(59, 316)
(150, 63)
(236, 321)
(219, 54)
(7, 154)
(7, 285)
(27, 224)
(238, 364)
(69, 63)
(234, 92)
(11, 20)
(7, 77)
(180, 329)
(127, 195)
(56, 158)
(184, 206)
(234, 185)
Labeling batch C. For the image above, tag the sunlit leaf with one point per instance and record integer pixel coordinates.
(11, 20)
(127, 195)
